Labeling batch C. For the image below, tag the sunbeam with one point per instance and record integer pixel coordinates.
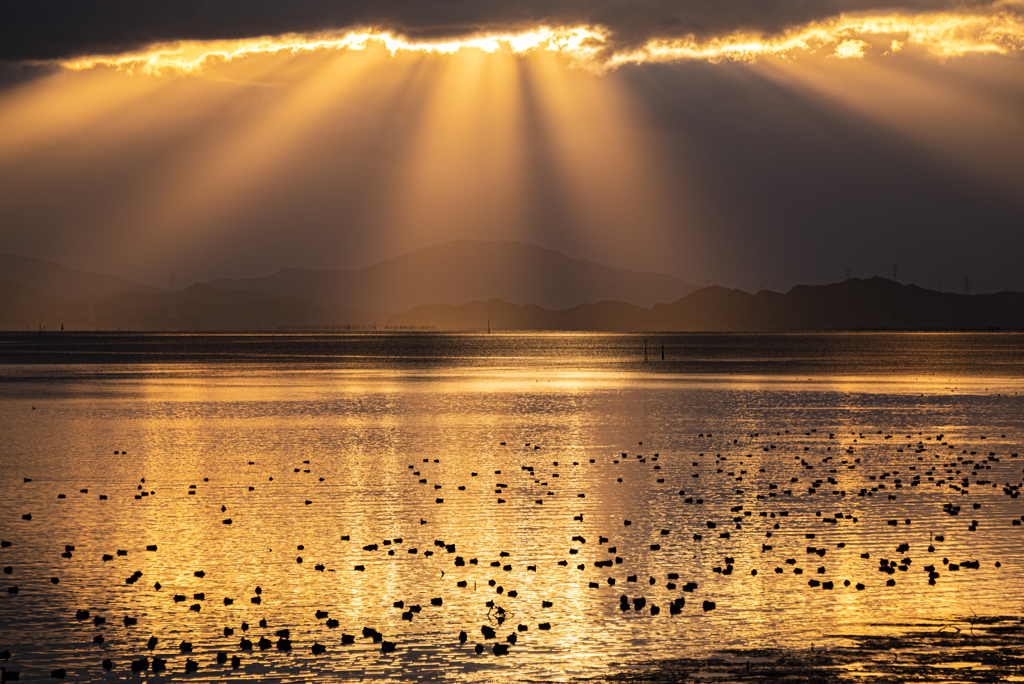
(369, 142)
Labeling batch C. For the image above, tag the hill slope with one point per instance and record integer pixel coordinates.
(468, 270)
(49, 278)
(856, 304)
(196, 308)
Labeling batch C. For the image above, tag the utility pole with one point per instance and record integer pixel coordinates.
(895, 273)
(967, 285)
(847, 272)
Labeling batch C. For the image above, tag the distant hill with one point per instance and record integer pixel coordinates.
(468, 270)
(23, 294)
(196, 308)
(52, 279)
(856, 304)
(34, 293)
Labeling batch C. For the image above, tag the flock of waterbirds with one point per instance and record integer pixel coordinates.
(926, 461)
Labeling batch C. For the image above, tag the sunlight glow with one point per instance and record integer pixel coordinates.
(188, 56)
(417, 139)
(940, 34)
(522, 134)
(850, 48)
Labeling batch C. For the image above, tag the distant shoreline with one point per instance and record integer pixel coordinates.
(435, 331)
(820, 355)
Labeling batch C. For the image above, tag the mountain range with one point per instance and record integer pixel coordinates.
(24, 278)
(855, 304)
(469, 270)
(35, 294)
(468, 285)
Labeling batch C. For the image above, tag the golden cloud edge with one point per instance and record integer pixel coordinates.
(940, 35)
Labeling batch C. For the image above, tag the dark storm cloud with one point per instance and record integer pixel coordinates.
(51, 29)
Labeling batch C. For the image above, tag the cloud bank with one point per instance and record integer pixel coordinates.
(624, 30)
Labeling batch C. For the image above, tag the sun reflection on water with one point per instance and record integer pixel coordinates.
(373, 434)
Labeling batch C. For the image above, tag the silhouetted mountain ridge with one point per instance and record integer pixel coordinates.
(37, 294)
(470, 270)
(198, 307)
(856, 304)
(61, 281)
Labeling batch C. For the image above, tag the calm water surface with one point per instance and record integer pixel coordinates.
(509, 463)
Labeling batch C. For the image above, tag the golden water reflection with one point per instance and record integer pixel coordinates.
(725, 446)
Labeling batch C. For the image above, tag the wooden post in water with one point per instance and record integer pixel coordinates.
(663, 350)
(645, 350)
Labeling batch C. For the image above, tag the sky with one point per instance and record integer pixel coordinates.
(745, 143)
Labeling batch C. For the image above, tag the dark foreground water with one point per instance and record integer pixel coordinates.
(545, 475)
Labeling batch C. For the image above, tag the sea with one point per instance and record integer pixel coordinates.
(406, 505)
